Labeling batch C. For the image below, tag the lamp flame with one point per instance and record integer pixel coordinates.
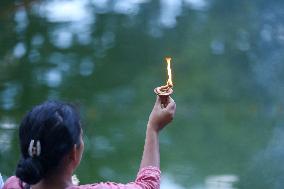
(165, 91)
(169, 82)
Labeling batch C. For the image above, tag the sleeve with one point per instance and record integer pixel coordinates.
(147, 178)
(13, 183)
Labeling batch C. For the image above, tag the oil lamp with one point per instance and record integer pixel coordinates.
(165, 91)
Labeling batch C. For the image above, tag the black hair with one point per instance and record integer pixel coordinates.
(57, 126)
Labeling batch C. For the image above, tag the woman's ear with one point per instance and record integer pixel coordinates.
(71, 160)
(73, 155)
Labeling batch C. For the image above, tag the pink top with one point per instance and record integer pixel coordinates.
(147, 178)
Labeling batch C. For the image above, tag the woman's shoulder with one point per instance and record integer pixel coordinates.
(13, 182)
(86, 186)
(147, 177)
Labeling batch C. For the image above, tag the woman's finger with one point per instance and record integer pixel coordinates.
(158, 101)
(171, 105)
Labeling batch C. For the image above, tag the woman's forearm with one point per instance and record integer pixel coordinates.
(151, 154)
(158, 119)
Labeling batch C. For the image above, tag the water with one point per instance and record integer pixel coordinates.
(107, 56)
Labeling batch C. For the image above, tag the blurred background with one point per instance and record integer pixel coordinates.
(107, 57)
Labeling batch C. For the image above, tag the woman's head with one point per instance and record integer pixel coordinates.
(48, 133)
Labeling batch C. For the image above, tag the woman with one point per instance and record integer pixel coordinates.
(51, 149)
(1, 181)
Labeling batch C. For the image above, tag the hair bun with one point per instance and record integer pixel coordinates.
(29, 170)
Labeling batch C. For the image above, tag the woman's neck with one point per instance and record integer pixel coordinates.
(54, 182)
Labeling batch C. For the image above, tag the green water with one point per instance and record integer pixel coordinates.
(107, 56)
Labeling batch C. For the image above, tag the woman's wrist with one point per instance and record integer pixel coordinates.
(152, 128)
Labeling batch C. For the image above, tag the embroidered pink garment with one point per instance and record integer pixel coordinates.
(147, 178)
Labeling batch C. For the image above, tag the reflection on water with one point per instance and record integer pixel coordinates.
(221, 182)
(53, 78)
(168, 183)
(21, 20)
(200, 5)
(211, 182)
(76, 17)
(86, 67)
(169, 12)
(7, 127)
(5, 142)
(107, 56)
(7, 123)
(217, 46)
(8, 95)
(66, 11)
(19, 50)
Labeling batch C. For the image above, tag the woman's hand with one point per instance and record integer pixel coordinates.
(159, 116)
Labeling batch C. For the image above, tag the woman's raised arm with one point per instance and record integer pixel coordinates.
(149, 174)
(158, 119)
